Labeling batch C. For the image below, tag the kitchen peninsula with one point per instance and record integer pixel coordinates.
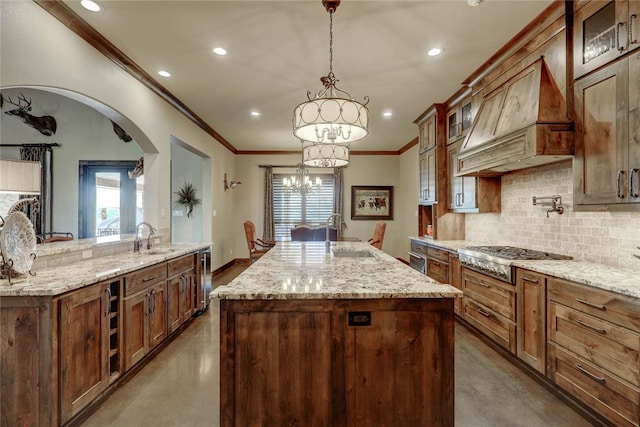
(349, 336)
(90, 313)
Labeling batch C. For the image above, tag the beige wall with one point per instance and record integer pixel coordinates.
(247, 199)
(603, 237)
(38, 51)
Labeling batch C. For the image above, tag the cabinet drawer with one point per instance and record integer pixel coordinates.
(612, 307)
(607, 394)
(438, 270)
(438, 254)
(497, 327)
(144, 278)
(610, 347)
(419, 248)
(180, 265)
(494, 294)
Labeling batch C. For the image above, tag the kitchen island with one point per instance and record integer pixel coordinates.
(346, 337)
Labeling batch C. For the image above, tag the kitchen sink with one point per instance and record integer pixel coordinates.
(159, 251)
(352, 254)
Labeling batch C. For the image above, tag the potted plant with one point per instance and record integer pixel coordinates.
(187, 198)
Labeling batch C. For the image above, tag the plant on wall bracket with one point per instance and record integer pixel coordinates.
(187, 198)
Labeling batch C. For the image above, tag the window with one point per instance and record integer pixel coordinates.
(291, 208)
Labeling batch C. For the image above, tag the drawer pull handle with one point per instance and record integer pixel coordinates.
(590, 304)
(593, 328)
(481, 283)
(530, 280)
(589, 374)
(146, 279)
(484, 313)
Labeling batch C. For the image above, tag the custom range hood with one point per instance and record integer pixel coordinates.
(521, 124)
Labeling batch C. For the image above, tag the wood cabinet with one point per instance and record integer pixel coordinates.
(427, 170)
(427, 134)
(531, 313)
(438, 264)
(607, 161)
(594, 348)
(490, 306)
(89, 345)
(145, 315)
(180, 291)
(469, 193)
(337, 362)
(603, 32)
(459, 120)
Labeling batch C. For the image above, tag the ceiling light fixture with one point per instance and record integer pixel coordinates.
(219, 51)
(331, 115)
(387, 113)
(434, 51)
(474, 3)
(321, 155)
(90, 5)
(164, 73)
(301, 182)
(255, 114)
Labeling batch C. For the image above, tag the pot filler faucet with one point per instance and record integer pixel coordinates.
(137, 242)
(327, 239)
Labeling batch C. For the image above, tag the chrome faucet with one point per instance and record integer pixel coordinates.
(137, 242)
(327, 238)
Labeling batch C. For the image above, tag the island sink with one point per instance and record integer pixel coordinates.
(352, 254)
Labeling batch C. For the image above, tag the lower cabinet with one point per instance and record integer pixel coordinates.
(489, 305)
(85, 336)
(594, 348)
(438, 264)
(531, 308)
(337, 362)
(455, 280)
(181, 295)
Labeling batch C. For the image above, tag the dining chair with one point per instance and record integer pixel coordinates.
(378, 235)
(257, 247)
(302, 233)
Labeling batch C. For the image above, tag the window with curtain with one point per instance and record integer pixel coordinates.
(292, 208)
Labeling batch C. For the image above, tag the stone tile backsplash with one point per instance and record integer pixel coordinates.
(609, 238)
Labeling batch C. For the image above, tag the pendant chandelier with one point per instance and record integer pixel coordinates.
(325, 155)
(331, 115)
(301, 182)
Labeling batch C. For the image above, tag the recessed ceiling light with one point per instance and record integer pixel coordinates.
(387, 113)
(164, 73)
(434, 51)
(90, 5)
(219, 51)
(255, 114)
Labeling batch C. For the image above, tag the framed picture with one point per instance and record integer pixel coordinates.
(371, 202)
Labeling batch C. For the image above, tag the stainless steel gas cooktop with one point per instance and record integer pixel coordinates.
(495, 261)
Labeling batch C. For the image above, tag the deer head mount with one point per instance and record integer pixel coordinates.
(46, 125)
(138, 170)
(122, 134)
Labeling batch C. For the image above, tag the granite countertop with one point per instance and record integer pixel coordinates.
(622, 281)
(304, 270)
(58, 280)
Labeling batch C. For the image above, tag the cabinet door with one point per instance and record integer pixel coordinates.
(427, 168)
(157, 324)
(188, 302)
(174, 309)
(455, 280)
(135, 326)
(459, 121)
(531, 311)
(600, 165)
(84, 348)
(597, 35)
(427, 136)
(634, 125)
(462, 189)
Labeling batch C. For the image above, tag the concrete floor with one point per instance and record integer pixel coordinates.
(180, 387)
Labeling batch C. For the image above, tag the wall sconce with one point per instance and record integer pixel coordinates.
(230, 184)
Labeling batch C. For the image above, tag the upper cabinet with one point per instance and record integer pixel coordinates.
(427, 167)
(607, 162)
(459, 120)
(427, 137)
(604, 31)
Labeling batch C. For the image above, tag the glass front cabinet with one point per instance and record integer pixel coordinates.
(604, 31)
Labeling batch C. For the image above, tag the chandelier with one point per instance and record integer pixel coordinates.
(331, 115)
(301, 182)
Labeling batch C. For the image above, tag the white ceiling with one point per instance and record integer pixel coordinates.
(279, 49)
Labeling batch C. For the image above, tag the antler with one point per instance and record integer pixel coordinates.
(21, 98)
